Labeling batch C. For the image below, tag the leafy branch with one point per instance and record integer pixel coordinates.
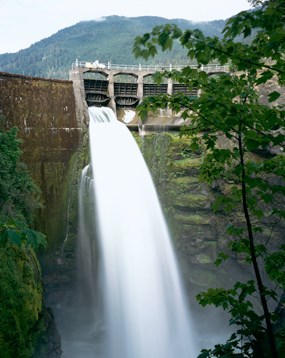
(228, 109)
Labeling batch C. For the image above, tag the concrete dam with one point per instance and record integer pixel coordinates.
(124, 86)
(51, 114)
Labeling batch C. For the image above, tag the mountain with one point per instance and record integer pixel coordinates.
(109, 39)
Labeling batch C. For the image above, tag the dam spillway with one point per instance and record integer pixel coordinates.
(143, 311)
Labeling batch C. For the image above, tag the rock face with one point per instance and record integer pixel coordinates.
(199, 234)
(186, 202)
(48, 342)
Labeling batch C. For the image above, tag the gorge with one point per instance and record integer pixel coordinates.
(228, 231)
(56, 149)
(51, 150)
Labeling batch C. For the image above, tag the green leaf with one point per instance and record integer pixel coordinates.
(205, 353)
(221, 258)
(275, 267)
(34, 239)
(273, 96)
(264, 77)
(11, 236)
(17, 233)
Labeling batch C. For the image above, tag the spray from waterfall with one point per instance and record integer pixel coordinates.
(131, 282)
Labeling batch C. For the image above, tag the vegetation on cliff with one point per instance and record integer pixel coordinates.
(21, 294)
(243, 141)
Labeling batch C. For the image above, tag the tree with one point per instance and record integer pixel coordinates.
(19, 196)
(21, 294)
(230, 110)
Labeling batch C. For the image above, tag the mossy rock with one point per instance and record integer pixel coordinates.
(20, 301)
(203, 259)
(192, 202)
(187, 183)
(204, 277)
(198, 233)
(187, 166)
(192, 219)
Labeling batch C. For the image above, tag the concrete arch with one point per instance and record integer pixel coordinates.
(149, 76)
(100, 72)
(92, 76)
(126, 75)
(218, 73)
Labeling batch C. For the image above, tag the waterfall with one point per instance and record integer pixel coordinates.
(135, 298)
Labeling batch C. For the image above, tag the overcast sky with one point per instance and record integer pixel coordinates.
(24, 22)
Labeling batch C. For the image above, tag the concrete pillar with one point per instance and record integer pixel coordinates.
(169, 86)
(112, 103)
(169, 92)
(140, 87)
(76, 76)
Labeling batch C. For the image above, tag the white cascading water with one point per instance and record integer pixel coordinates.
(145, 314)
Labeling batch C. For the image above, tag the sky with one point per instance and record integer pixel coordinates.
(24, 22)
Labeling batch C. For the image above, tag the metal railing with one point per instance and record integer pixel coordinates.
(210, 68)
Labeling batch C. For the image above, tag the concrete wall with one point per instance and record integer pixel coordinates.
(44, 111)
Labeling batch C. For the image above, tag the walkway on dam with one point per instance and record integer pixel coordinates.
(96, 65)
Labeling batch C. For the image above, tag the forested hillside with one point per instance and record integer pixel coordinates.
(110, 39)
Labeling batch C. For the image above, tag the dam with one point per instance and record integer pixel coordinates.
(120, 86)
